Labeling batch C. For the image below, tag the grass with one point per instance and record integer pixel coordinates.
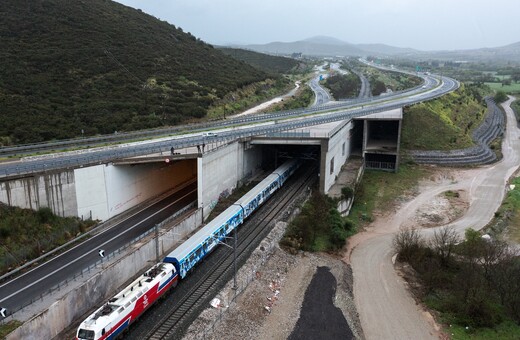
(26, 234)
(508, 215)
(513, 88)
(7, 328)
(248, 96)
(507, 330)
(443, 124)
(379, 191)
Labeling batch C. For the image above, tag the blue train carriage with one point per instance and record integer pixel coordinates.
(263, 190)
(287, 169)
(193, 250)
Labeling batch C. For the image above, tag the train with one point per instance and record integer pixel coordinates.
(110, 320)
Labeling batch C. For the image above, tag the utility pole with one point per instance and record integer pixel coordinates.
(157, 243)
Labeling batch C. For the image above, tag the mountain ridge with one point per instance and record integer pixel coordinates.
(330, 46)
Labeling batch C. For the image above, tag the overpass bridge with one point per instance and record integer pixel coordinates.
(101, 183)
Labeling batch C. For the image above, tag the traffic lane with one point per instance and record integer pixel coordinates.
(85, 254)
(43, 284)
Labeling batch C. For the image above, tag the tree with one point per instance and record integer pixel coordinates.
(500, 97)
(443, 243)
(408, 243)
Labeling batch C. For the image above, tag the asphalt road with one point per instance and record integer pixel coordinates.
(386, 309)
(31, 284)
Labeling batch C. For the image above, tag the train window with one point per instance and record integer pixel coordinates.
(103, 332)
(86, 334)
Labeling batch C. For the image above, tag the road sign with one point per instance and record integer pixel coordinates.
(101, 253)
(3, 312)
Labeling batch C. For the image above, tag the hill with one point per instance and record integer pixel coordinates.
(332, 47)
(267, 63)
(327, 46)
(73, 67)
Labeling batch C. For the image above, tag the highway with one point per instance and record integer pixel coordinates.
(28, 286)
(238, 128)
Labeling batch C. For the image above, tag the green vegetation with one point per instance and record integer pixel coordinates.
(507, 217)
(508, 88)
(267, 63)
(26, 234)
(378, 190)
(382, 81)
(470, 282)
(247, 96)
(319, 227)
(8, 327)
(500, 97)
(303, 98)
(96, 67)
(445, 123)
(515, 106)
(343, 86)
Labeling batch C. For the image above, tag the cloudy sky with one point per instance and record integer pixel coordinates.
(420, 24)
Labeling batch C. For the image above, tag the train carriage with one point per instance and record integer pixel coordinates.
(188, 254)
(263, 190)
(120, 311)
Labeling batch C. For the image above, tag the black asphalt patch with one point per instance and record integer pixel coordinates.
(319, 317)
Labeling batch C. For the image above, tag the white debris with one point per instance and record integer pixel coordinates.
(215, 303)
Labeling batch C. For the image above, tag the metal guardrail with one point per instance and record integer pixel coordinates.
(84, 271)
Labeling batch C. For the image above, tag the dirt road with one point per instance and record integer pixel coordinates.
(386, 309)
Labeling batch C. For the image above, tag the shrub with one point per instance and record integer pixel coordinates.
(408, 243)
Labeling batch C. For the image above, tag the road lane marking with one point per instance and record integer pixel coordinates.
(82, 256)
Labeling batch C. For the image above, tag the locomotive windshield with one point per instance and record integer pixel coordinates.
(85, 334)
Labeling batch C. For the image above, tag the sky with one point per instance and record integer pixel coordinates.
(421, 24)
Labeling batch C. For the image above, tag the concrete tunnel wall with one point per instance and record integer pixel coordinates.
(221, 170)
(338, 148)
(104, 191)
(54, 190)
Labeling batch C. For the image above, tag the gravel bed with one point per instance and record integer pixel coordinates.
(272, 285)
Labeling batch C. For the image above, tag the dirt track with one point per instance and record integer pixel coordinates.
(385, 307)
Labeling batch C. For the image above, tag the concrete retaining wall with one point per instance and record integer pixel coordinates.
(339, 150)
(221, 170)
(92, 293)
(54, 190)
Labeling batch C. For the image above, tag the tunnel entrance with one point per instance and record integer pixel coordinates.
(275, 155)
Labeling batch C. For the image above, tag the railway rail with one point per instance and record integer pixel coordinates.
(218, 269)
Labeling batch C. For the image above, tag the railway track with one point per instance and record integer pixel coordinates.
(174, 323)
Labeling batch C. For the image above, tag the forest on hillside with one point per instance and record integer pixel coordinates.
(74, 68)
